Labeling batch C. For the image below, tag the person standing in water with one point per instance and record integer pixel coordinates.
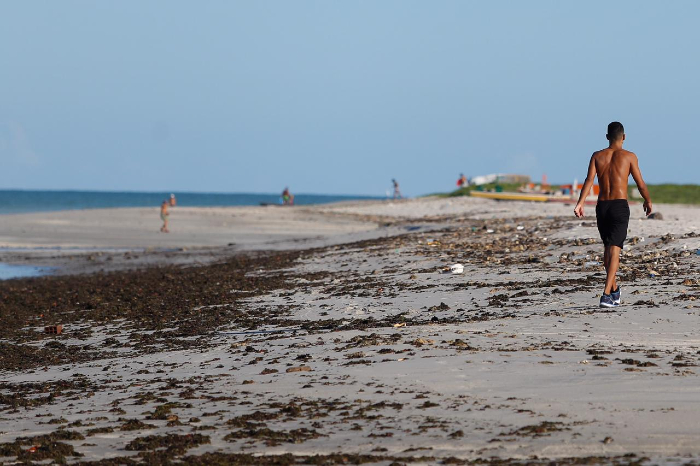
(164, 214)
(613, 166)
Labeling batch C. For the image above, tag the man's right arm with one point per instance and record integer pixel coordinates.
(641, 185)
(587, 185)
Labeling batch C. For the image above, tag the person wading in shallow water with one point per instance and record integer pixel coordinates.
(613, 166)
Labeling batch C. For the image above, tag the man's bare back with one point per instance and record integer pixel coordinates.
(613, 166)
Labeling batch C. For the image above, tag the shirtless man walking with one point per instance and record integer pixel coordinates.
(613, 166)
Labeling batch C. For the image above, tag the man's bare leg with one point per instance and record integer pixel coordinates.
(611, 259)
(606, 261)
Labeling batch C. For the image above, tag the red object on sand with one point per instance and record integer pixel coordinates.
(54, 329)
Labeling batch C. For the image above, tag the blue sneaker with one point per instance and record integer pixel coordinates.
(615, 295)
(607, 301)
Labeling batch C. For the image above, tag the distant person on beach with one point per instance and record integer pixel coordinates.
(613, 166)
(462, 182)
(397, 191)
(287, 198)
(173, 201)
(164, 217)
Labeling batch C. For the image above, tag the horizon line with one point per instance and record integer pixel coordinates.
(175, 192)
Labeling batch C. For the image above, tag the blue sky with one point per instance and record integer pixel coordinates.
(340, 97)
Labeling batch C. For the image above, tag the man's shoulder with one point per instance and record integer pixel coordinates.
(606, 152)
(626, 153)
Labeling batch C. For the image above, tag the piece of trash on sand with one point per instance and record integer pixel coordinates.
(299, 369)
(654, 273)
(489, 231)
(423, 341)
(400, 324)
(457, 268)
(53, 329)
(520, 227)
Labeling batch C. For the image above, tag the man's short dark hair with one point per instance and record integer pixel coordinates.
(615, 131)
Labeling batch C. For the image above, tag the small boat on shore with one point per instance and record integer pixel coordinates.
(510, 196)
(532, 197)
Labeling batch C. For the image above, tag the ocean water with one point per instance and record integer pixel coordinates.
(19, 201)
(8, 271)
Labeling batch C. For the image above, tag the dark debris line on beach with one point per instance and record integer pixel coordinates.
(164, 300)
(167, 300)
(149, 300)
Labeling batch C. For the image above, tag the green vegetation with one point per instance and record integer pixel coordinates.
(670, 193)
(660, 193)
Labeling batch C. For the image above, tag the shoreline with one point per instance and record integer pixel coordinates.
(86, 241)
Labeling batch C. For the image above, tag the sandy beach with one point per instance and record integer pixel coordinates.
(336, 334)
(128, 238)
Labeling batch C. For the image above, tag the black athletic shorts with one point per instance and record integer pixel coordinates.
(613, 218)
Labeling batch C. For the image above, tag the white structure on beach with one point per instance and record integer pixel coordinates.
(502, 177)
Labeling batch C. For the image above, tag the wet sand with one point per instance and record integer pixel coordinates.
(129, 228)
(367, 351)
(120, 239)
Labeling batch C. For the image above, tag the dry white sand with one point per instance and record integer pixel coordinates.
(115, 239)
